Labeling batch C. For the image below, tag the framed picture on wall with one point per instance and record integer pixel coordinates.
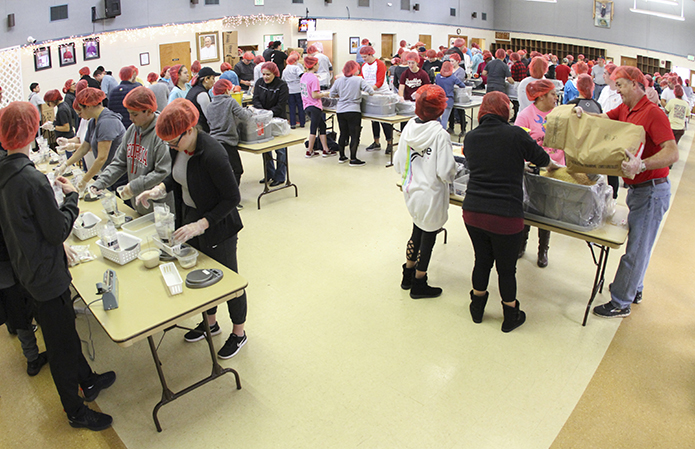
(145, 58)
(302, 43)
(603, 13)
(354, 45)
(66, 52)
(42, 58)
(208, 46)
(90, 47)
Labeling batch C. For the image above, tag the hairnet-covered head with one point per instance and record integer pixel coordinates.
(351, 68)
(412, 56)
(312, 49)
(430, 102)
(585, 85)
(195, 67)
(80, 86)
(248, 56)
(271, 67)
(538, 67)
(292, 59)
(174, 73)
(580, 68)
(225, 66)
(678, 91)
(455, 57)
(126, 73)
(90, 96)
(140, 99)
(67, 85)
(402, 43)
(152, 77)
(258, 59)
(538, 89)
(629, 73)
(19, 123)
(135, 70)
(570, 58)
(580, 56)
(401, 51)
(515, 57)
(319, 47)
(164, 71)
(76, 106)
(310, 61)
(53, 96)
(365, 41)
(440, 55)
(458, 42)
(487, 55)
(367, 50)
(178, 117)
(496, 103)
(650, 80)
(533, 54)
(222, 86)
(500, 53)
(84, 71)
(431, 53)
(610, 68)
(447, 69)
(395, 61)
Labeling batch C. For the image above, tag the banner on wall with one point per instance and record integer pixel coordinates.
(319, 35)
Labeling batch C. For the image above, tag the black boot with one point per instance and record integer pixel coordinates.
(478, 306)
(543, 245)
(522, 250)
(420, 289)
(513, 317)
(408, 275)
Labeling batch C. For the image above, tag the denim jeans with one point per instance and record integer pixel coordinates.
(647, 207)
(444, 119)
(279, 173)
(296, 109)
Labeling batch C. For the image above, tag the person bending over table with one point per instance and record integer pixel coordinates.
(542, 94)
(493, 206)
(206, 195)
(426, 161)
(649, 189)
(271, 93)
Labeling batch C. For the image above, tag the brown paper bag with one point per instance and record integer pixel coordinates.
(592, 144)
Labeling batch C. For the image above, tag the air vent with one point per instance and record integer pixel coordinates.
(59, 12)
(452, 12)
(212, 2)
(363, 3)
(483, 15)
(405, 5)
(297, 1)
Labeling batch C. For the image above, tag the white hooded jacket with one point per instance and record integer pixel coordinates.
(425, 160)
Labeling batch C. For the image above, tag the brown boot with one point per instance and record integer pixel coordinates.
(543, 245)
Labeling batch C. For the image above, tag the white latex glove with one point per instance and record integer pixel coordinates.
(81, 184)
(579, 111)
(631, 167)
(553, 166)
(185, 233)
(67, 147)
(61, 141)
(60, 169)
(94, 191)
(64, 185)
(125, 192)
(73, 257)
(48, 126)
(527, 167)
(157, 193)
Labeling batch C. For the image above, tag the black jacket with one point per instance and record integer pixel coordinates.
(213, 188)
(495, 152)
(116, 97)
(34, 228)
(192, 96)
(272, 97)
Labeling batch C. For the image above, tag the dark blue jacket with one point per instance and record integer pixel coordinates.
(116, 97)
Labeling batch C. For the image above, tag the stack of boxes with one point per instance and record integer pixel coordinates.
(230, 47)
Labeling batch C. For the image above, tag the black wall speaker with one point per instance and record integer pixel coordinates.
(10, 20)
(112, 8)
(194, 2)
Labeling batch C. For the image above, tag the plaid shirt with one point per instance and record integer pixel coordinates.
(519, 71)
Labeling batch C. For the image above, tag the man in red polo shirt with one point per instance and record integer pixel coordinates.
(649, 189)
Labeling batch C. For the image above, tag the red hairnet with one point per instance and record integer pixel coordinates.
(225, 66)
(394, 61)
(431, 53)
(496, 103)
(53, 96)
(312, 49)
(458, 42)
(430, 103)
(271, 67)
(650, 80)
(174, 73)
(76, 106)
(663, 83)
(538, 89)
(610, 68)
(447, 68)
(475, 45)
(140, 99)
(178, 117)
(126, 73)
(509, 51)
(580, 56)
(84, 71)
(80, 86)
(248, 56)
(351, 68)
(401, 51)
(585, 85)
(534, 54)
(630, 73)
(412, 56)
(19, 123)
(195, 67)
(367, 50)
(538, 67)
(258, 59)
(678, 91)
(152, 77)
(500, 53)
(402, 43)
(486, 55)
(515, 57)
(580, 68)
(67, 86)
(365, 41)
(440, 55)
(570, 58)
(135, 70)
(222, 86)
(164, 71)
(310, 61)
(454, 57)
(90, 96)
(292, 59)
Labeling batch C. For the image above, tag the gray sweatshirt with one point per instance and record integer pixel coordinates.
(146, 159)
(224, 115)
(349, 89)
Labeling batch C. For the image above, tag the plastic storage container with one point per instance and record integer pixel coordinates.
(172, 278)
(129, 248)
(379, 105)
(279, 127)
(511, 90)
(255, 129)
(187, 256)
(405, 108)
(462, 95)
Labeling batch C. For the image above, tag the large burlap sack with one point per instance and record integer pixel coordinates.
(592, 144)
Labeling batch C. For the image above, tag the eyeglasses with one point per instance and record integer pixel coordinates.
(175, 145)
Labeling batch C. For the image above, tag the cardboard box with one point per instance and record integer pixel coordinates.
(230, 37)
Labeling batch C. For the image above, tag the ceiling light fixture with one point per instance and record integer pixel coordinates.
(543, 1)
(659, 14)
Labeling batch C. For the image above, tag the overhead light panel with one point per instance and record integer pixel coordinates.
(663, 15)
(665, 2)
(543, 1)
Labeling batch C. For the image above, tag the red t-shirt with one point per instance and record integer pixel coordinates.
(413, 81)
(562, 72)
(496, 224)
(657, 128)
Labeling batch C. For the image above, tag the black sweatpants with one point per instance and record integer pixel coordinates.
(388, 130)
(500, 250)
(350, 124)
(234, 161)
(420, 246)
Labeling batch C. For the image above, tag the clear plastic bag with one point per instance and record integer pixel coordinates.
(279, 127)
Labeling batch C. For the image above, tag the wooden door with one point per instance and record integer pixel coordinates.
(176, 53)
(453, 37)
(479, 41)
(387, 46)
(624, 60)
(426, 39)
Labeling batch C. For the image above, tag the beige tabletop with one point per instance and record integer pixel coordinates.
(392, 119)
(296, 136)
(145, 305)
(474, 103)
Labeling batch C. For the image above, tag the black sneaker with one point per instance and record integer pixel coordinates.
(232, 346)
(342, 160)
(91, 420)
(638, 298)
(98, 382)
(262, 181)
(608, 310)
(198, 333)
(389, 149)
(374, 147)
(356, 163)
(33, 368)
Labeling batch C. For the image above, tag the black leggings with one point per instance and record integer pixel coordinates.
(501, 250)
(350, 124)
(388, 130)
(316, 116)
(234, 161)
(419, 248)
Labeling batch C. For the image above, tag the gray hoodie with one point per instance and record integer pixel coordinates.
(349, 89)
(224, 115)
(145, 158)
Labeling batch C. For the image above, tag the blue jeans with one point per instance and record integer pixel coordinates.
(296, 109)
(597, 90)
(280, 173)
(647, 207)
(444, 119)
